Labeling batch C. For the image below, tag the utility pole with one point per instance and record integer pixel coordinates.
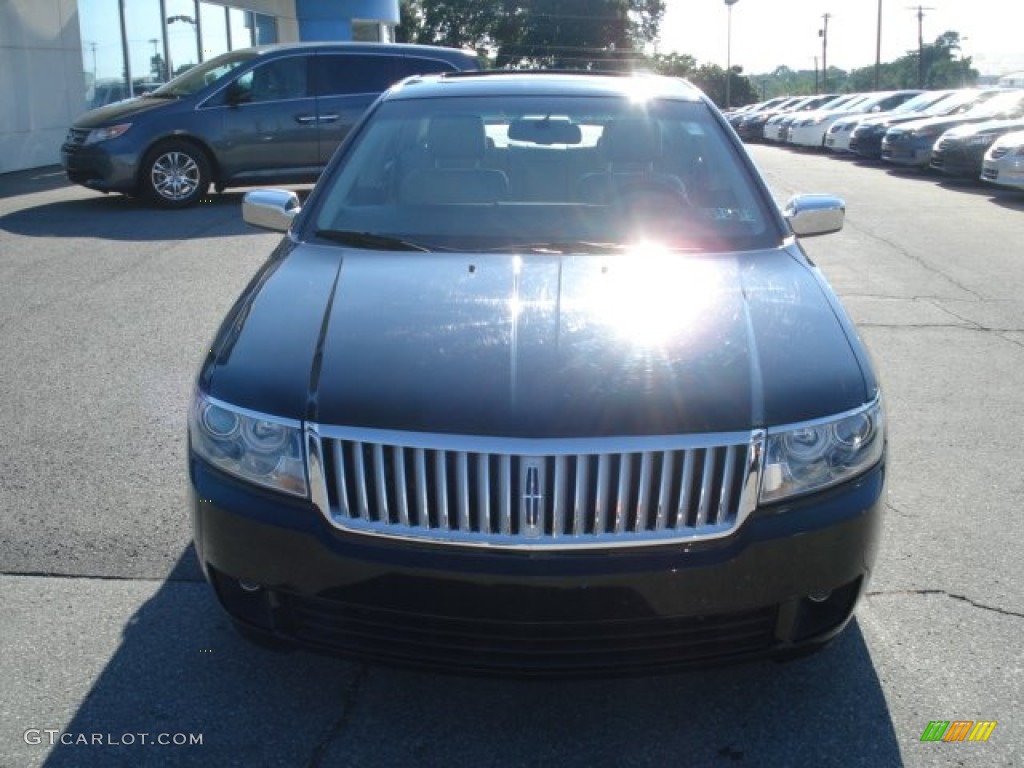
(878, 49)
(920, 40)
(823, 34)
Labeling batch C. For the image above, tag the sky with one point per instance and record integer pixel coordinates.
(770, 33)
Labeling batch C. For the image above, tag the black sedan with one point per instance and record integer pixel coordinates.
(539, 381)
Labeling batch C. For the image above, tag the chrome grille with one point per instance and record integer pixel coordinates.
(534, 493)
(990, 174)
(999, 152)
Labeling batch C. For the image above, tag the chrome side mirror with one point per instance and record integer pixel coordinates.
(810, 215)
(271, 209)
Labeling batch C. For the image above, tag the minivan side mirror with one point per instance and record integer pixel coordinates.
(271, 209)
(810, 215)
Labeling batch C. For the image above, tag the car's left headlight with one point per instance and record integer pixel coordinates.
(812, 456)
(96, 135)
(256, 447)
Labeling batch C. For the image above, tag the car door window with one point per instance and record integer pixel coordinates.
(277, 80)
(418, 65)
(344, 74)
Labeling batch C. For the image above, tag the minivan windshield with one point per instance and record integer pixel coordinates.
(195, 79)
(547, 173)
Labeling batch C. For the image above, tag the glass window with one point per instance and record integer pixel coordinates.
(492, 173)
(344, 74)
(274, 81)
(182, 35)
(366, 31)
(415, 65)
(240, 25)
(145, 32)
(102, 52)
(266, 28)
(214, 20)
(203, 75)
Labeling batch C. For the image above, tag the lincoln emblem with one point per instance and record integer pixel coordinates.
(532, 496)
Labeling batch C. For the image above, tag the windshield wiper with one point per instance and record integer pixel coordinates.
(370, 240)
(558, 246)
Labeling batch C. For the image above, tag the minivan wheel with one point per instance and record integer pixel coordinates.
(175, 174)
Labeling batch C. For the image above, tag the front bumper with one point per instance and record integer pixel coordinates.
(100, 167)
(1006, 171)
(962, 160)
(910, 153)
(787, 579)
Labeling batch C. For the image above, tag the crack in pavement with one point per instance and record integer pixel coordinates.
(899, 249)
(952, 596)
(348, 697)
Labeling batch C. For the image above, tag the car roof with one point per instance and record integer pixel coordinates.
(544, 83)
(407, 49)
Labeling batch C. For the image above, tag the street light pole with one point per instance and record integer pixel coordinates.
(728, 55)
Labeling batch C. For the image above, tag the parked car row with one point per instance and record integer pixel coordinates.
(968, 133)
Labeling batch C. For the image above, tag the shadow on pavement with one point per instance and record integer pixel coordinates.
(180, 669)
(115, 217)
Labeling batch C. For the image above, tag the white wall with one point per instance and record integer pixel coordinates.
(41, 80)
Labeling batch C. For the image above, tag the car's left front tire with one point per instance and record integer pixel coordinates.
(175, 174)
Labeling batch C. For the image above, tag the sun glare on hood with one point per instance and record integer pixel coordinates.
(649, 296)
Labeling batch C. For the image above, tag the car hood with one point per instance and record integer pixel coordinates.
(540, 345)
(989, 126)
(940, 123)
(120, 110)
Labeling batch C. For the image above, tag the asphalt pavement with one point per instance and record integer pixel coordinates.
(113, 651)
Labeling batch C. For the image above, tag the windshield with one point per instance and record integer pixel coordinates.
(1003, 105)
(554, 174)
(202, 75)
(922, 101)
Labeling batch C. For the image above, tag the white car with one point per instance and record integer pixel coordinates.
(810, 132)
(838, 137)
(1004, 161)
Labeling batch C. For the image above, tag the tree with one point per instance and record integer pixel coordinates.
(569, 34)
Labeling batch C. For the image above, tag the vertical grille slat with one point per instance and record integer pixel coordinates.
(706, 487)
(623, 494)
(362, 502)
(441, 489)
(601, 498)
(505, 492)
(579, 511)
(380, 485)
(449, 494)
(483, 494)
(401, 486)
(686, 491)
(561, 487)
(422, 490)
(462, 489)
(668, 476)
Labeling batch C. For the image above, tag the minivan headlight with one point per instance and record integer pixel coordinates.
(809, 457)
(261, 449)
(96, 135)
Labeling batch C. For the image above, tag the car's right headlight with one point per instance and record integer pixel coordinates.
(96, 135)
(809, 457)
(256, 447)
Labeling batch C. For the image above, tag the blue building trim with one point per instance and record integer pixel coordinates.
(332, 19)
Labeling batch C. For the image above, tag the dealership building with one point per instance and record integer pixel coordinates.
(59, 58)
